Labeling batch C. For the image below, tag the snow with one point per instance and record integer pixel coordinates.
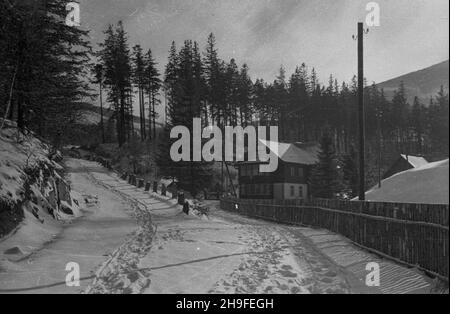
(415, 161)
(196, 253)
(229, 253)
(16, 154)
(14, 157)
(88, 240)
(167, 251)
(301, 153)
(427, 184)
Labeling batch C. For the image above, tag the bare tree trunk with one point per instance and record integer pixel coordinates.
(10, 96)
(154, 115)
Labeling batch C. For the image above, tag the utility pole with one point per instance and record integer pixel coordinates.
(361, 115)
(379, 115)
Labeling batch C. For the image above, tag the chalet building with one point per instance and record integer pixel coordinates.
(289, 181)
(403, 163)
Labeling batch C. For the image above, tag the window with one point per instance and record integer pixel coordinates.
(255, 170)
(300, 191)
(244, 189)
(300, 172)
(257, 189)
(292, 190)
(292, 171)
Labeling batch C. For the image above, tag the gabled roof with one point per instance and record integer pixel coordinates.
(415, 161)
(299, 153)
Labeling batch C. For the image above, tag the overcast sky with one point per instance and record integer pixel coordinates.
(266, 34)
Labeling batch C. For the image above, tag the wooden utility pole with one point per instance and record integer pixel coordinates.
(379, 115)
(361, 116)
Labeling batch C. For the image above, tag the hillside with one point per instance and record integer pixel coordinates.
(424, 83)
(91, 115)
(32, 189)
(427, 184)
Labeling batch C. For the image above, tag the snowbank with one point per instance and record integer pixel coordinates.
(428, 184)
(30, 186)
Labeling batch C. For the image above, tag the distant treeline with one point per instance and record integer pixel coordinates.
(202, 85)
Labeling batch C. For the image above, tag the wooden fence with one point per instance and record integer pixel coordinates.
(416, 234)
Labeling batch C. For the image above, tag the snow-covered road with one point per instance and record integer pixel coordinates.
(170, 252)
(87, 240)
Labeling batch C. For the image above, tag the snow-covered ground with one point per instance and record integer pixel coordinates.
(428, 184)
(170, 252)
(228, 253)
(218, 254)
(47, 248)
(14, 157)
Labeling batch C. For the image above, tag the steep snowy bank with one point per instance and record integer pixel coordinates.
(32, 192)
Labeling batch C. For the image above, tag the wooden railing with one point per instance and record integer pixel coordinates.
(415, 234)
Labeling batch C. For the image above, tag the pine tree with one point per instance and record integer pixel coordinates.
(48, 61)
(183, 82)
(281, 101)
(200, 90)
(115, 58)
(245, 96)
(350, 172)
(439, 123)
(232, 83)
(259, 102)
(170, 78)
(212, 77)
(98, 79)
(324, 180)
(139, 80)
(163, 159)
(153, 86)
(418, 114)
(399, 112)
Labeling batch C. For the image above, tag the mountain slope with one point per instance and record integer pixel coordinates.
(91, 115)
(424, 83)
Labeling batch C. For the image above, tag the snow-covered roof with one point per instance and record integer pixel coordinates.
(427, 184)
(415, 161)
(299, 153)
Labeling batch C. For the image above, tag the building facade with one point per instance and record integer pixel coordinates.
(289, 181)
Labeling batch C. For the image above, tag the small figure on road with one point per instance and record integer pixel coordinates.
(186, 208)
(181, 198)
